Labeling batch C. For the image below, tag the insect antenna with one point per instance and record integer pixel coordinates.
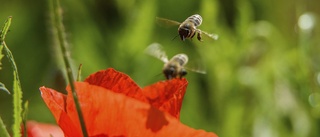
(175, 37)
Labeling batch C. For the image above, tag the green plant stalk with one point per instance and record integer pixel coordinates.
(3, 88)
(24, 116)
(17, 94)
(17, 90)
(3, 130)
(79, 73)
(5, 29)
(1, 55)
(63, 45)
(17, 103)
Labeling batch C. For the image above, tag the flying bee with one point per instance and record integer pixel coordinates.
(173, 68)
(188, 28)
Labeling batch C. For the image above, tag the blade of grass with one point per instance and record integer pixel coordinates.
(11, 60)
(3, 88)
(1, 55)
(5, 29)
(24, 116)
(3, 130)
(2, 36)
(79, 73)
(58, 25)
(17, 91)
(17, 103)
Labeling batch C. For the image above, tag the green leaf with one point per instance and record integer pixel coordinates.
(3, 34)
(3, 88)
(5, 29)
(24, 116)
(79, 73)
(17, 103)
(1, 55)
(3, 130)
(17, 91)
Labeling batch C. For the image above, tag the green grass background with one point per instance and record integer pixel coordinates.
(262, 74)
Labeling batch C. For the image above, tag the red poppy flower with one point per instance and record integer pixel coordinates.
(114, 105)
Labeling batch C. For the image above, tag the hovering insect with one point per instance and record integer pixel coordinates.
(188, 28)
(173, 68)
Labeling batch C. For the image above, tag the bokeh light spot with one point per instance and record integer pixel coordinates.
(314, 99)
(306, 21)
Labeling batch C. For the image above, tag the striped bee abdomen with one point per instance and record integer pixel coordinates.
(181, 58)
(196, 19)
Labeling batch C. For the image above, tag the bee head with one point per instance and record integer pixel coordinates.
(184, 31)
(170, 72)
(174, 72)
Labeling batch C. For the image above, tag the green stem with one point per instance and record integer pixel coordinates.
(17, 91)
(79, 73)
(3, 129)
(63, 45)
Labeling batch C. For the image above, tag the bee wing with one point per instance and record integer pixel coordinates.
(196, 66)
(211, 35)
(156, 50)
(197, 70)
(166, 22)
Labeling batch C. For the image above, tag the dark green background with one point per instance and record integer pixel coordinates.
(262, 74)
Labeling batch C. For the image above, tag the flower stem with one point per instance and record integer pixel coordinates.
(79, 73)
(57, 21)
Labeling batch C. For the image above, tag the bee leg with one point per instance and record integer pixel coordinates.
(168, 73)
(183, 73)
(182, 37)
(199, 36)
(192, 35)
(175, 37)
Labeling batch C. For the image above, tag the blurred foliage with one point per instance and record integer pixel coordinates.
(262, 74)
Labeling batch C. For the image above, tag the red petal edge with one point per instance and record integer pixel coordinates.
(117, 82)
(56, 102)
(166, 96)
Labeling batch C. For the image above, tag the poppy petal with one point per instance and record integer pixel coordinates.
(112, 114)
(151, 111)
(167, 96)
(56, 102)
(116, 81)
(36, 129)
